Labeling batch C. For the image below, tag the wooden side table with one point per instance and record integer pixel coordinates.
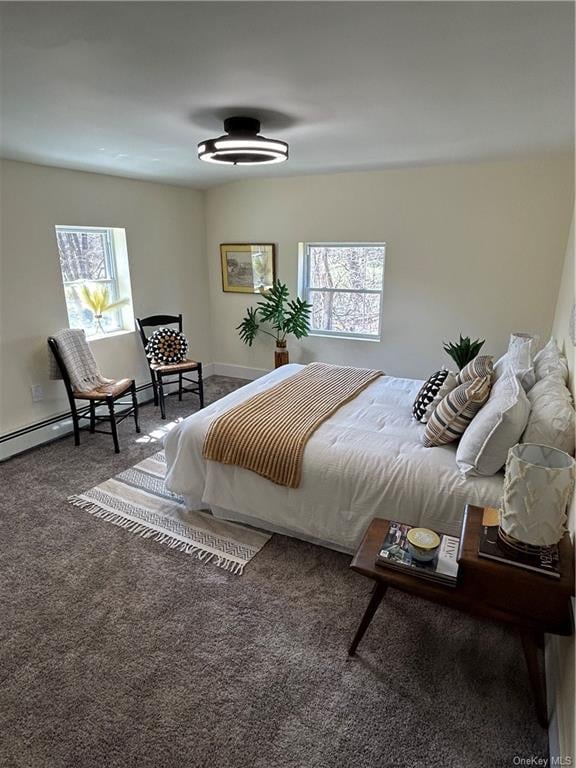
(529, 602)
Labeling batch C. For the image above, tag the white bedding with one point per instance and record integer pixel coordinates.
(366, 461)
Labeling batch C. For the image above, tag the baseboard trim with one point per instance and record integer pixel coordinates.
(207, 370)
(562, 749)
(60, 425)
(47, 430)
(56, 427)
(237, 371)
(36, 435)
(552, 699)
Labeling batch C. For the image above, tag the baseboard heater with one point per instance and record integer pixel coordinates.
(52, 420)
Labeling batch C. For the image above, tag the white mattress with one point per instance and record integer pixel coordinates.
(366, 461)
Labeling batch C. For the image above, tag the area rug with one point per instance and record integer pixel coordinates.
(139, 501)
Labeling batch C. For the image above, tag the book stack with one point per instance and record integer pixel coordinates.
(396, 554)
(494, 545)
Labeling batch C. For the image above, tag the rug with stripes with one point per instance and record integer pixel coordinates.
(138, 501)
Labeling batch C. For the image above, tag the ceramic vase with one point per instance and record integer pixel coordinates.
(538, 485)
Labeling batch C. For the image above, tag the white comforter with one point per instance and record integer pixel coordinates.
(366, 461)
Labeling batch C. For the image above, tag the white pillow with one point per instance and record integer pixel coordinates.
(548, 388)
(550, 360)
(517, 361)
(494, 430)
(552, 420)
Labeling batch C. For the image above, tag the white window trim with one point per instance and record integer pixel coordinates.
(108, 335)
(304, 290)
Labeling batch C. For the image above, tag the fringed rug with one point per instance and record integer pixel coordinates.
(138, 501)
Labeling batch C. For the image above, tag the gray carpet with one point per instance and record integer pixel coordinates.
(117, 651)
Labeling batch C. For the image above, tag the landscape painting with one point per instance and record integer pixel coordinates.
(247, 267)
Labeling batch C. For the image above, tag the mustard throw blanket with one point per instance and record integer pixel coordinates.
(268, 432)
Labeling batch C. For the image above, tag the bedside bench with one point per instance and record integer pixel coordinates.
(529, 602)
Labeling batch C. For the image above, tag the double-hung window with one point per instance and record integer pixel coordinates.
(94, 262)
(344, 283)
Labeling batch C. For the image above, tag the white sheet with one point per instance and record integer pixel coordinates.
(366, 461)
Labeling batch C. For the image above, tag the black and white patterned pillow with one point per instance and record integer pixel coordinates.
(431, 393)
(166, 346)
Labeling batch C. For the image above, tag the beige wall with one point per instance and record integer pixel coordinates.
(165, 233)
(564, 307)
(472, 248)
(561, 650)
(476, 249)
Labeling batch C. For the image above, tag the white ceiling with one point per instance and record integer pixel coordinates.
(131, 88)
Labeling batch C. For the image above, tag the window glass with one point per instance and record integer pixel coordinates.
(344, 283)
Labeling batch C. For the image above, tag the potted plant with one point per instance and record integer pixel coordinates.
(96, 298)
(281, 314)
(464, 350)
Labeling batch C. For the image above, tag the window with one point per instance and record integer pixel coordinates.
(95, 258)
(344, 283)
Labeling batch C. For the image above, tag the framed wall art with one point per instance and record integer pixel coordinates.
(247, 267)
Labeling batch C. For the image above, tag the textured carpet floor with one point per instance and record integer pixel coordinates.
(117, 651)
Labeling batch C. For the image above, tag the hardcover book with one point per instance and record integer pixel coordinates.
(546, 561)
(395, 553)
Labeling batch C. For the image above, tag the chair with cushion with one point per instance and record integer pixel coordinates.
(161, 372)
(108, 394)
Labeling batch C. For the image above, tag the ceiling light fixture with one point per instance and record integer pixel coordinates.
(242, 145)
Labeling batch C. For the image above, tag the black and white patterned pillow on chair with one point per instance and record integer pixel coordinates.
(166, 346)
(431, 393)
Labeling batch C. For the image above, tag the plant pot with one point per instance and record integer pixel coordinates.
(281, 354)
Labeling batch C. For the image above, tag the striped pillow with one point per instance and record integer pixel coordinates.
(476, 369)
(455, 412)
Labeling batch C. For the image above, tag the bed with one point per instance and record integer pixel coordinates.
(365, 461)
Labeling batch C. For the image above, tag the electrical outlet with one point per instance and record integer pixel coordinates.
(37, 393)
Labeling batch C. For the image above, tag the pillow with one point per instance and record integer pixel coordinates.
(550, 360)
(499, 425)
(476, 369)
(455, 412)
(517, 361)
(166, 346)
(552, 420)
(550, 387)
(432, 391)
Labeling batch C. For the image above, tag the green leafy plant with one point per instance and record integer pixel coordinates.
(282, 314)
(464, 350)
(96, 298)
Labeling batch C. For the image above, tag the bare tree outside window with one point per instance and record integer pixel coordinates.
(344, 282)
(82, 254)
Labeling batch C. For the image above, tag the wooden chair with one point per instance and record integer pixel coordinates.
(159, 372)
(108, 394)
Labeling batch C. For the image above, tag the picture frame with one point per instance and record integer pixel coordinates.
(247, 267)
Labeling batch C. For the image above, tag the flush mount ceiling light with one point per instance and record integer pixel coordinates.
(242, 145)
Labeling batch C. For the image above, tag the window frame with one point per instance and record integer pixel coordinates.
(304, 288)
(112, 279)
